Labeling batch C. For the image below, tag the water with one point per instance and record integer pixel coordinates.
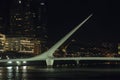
(36, 73)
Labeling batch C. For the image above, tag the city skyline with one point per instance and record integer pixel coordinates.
(64, 15)
(25, 31)
(27, 52)
(23, 17)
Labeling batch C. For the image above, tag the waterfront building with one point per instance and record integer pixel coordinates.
(20, 44)
(2, 42)
(27, 26)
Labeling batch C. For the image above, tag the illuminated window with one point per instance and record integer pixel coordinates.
(18, 18)
(19, 25)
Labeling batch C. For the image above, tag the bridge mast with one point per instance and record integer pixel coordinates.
(60, 42)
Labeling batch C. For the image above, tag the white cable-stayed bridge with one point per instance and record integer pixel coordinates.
(48, 55)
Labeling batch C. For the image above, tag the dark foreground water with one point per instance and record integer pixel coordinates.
(36, 73)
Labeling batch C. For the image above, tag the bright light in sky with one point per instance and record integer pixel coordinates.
(19, 2)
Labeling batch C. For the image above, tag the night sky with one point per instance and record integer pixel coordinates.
(103, 25)
(64, 15)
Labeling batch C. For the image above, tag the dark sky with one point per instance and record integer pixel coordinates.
(64, 15)
(103, 25)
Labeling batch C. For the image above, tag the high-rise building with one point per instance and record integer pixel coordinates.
(40, 17)
(40, 20)
(28, 19)
(21, 19)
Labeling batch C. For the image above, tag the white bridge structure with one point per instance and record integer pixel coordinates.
(48, 55)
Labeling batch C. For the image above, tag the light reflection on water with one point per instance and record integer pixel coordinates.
(13, 73)
(36, 73)
(23, 73)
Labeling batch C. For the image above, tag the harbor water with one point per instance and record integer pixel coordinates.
(37, 73)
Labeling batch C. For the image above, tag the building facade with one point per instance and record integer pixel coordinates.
(2, 42)
(28, 19)
(20, 44)
(26, 32)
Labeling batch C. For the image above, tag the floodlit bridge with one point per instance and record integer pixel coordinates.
(48, 55)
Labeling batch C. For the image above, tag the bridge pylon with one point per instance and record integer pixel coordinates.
(49, 62)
